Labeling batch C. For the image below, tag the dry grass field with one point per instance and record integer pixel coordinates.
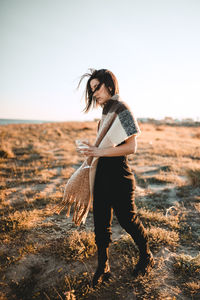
(45, 256)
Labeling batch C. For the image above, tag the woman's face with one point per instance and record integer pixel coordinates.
(102, 95)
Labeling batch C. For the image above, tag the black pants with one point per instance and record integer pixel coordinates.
(114, 189)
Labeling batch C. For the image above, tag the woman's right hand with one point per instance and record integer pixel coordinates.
(82, 144)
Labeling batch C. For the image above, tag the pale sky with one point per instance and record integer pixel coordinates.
(153, 48)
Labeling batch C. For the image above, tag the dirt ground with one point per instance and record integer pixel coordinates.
(45, 256)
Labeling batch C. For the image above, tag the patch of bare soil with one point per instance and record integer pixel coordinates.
(45, 256)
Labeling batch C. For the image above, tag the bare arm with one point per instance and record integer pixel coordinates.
(129, 147)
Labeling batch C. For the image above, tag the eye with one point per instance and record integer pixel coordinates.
(97, 87)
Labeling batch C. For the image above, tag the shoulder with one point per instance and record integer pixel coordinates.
(116, 105)
(121, 106)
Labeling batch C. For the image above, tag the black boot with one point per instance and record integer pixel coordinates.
(140, 237)
(103, 270)
(144, 265)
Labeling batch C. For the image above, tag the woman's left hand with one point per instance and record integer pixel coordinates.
(92, 151)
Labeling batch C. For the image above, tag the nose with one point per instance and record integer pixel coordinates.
(95, 93)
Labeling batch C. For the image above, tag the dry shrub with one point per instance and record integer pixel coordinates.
(6, 150)
(8, 224)
(77, 245)
(78, 287)
(187, 264)
(196, 135)
(27, 249)
(159, 128)
(81, 244)
(159, 236)
(194, 176)
(193, 287)
(70, 295)
(27, 219)
(158, 217)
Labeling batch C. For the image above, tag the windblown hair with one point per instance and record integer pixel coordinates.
(103, 76)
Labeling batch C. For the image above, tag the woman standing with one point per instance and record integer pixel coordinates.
(114, 183)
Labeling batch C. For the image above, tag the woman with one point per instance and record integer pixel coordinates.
(114, 183)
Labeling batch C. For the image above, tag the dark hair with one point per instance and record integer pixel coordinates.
(104, 76)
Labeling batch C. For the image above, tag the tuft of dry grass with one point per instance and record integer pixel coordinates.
(158, 218)
(196, 135)
(192, 288)
(194, 176)
(187, 264)
(6, 150)
(77, 245)
(160, 236)
(27, 219)
(81, 244)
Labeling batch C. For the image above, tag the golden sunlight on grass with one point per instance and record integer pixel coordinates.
(160, 236)
(45, 256)
(157, 218)
(27, 219)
